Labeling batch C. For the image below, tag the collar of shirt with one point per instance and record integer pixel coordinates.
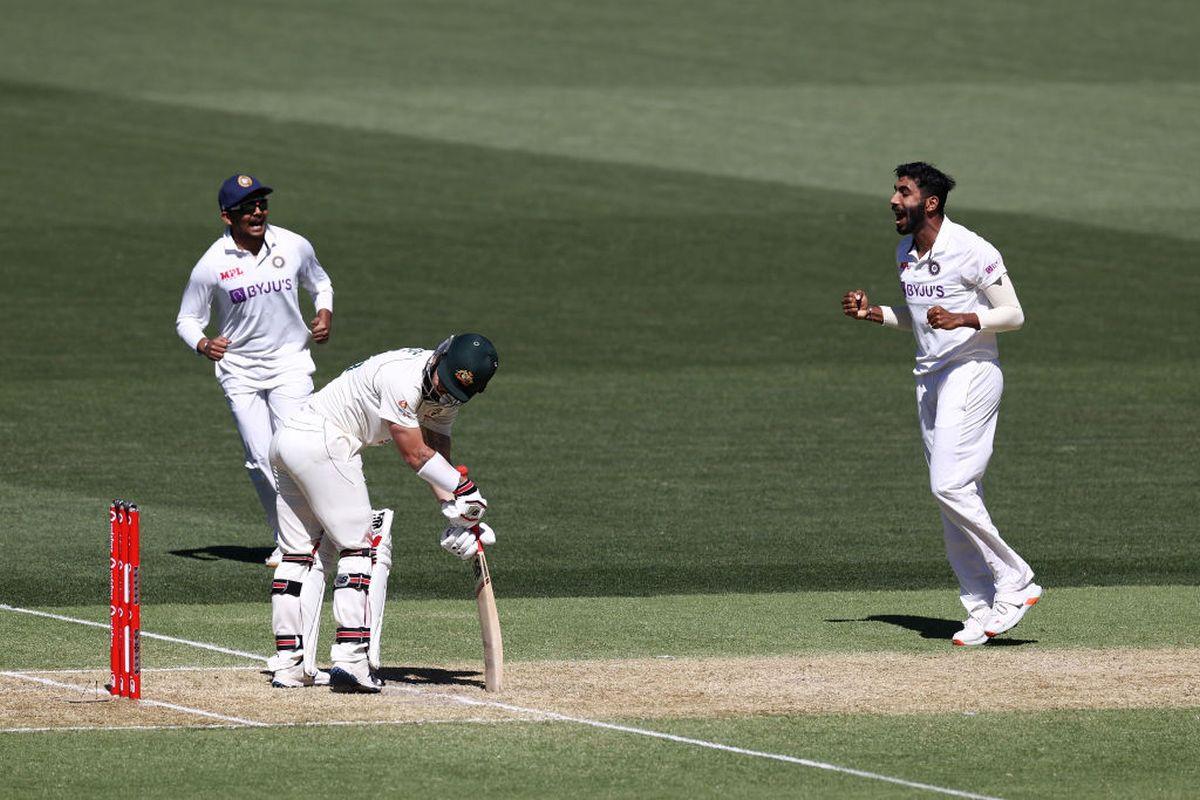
(231, 246)
(944, 234)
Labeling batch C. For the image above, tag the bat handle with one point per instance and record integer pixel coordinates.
(462, 470)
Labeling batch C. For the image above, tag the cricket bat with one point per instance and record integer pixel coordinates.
(489, 620)
(489, 625)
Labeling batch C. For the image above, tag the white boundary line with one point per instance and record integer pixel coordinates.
(158, 703)
(201, 645)
(804, 762)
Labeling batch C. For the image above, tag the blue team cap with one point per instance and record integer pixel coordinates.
(237, 188)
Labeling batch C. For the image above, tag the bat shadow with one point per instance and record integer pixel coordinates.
(225, 552)
(431, 676)
(931, 627)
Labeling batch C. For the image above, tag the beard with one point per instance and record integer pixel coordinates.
(910, 222)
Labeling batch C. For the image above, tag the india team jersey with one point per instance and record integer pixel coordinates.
(369, 396)
(258, 308)
(953, 275)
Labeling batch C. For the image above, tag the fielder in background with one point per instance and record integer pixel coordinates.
(409, 397)
(958, 297)
(261, 351)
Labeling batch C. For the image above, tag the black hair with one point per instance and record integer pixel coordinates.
(929, 179)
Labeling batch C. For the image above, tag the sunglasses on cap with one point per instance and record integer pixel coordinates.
(247, 207)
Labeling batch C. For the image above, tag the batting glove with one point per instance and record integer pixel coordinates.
(467, 507)
(464, 542)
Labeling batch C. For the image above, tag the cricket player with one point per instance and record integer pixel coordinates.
(261, 351)
(409, 397)
(958, 296)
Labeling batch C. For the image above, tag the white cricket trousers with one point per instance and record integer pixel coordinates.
(322, 492)
(257, 414)
(958, 407)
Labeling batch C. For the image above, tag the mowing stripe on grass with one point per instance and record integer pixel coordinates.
(158, 703)
(201, 645)
(550, 715)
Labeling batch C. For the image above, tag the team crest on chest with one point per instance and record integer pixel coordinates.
(934, 268)
(278, 262)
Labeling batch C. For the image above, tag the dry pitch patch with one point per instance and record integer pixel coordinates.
(986, 679)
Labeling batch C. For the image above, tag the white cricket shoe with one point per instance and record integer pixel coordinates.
(1007, 612)
(353, 676)
(972, 633)
(273, 560)
(296, 678)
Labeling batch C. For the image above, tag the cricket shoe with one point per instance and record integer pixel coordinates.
(972, 633)
(1008, 611)
(352, 677)
(273, 560)
(296, 678)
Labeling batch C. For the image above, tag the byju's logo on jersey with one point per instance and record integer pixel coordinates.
(242, 294)
(922, 290)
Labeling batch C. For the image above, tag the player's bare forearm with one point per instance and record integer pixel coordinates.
(943, 320)
(440, 443)
(411, 445)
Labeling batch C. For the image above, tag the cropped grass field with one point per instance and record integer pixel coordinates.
(719, 569)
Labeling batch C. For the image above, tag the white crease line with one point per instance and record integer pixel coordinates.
(148, 635)
(107, 728)
(563, 718)
(701, 743)
(337, 723)
(101, 670)
(143, 701)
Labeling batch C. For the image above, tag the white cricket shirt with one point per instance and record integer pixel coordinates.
(258, 308)
(953, 275)
(386, 388)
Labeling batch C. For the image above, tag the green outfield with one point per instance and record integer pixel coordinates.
(693, 460)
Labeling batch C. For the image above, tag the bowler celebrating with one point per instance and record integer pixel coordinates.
(261, 353)
(958, 297)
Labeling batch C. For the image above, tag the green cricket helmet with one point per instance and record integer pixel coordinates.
(467, 362)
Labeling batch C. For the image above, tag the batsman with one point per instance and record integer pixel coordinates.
(411, 398)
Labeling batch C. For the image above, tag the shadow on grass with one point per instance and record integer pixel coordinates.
(930, 627)
(225, 552)
(431, 676)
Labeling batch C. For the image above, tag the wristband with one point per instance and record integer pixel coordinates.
(440, 474)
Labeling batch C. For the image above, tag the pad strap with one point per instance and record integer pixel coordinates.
(352, 580)
(289, 641)
(353, 635)
(279, 586)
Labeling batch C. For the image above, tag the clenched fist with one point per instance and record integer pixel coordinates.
(855, 304)
(213, 349)
(943, 320)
